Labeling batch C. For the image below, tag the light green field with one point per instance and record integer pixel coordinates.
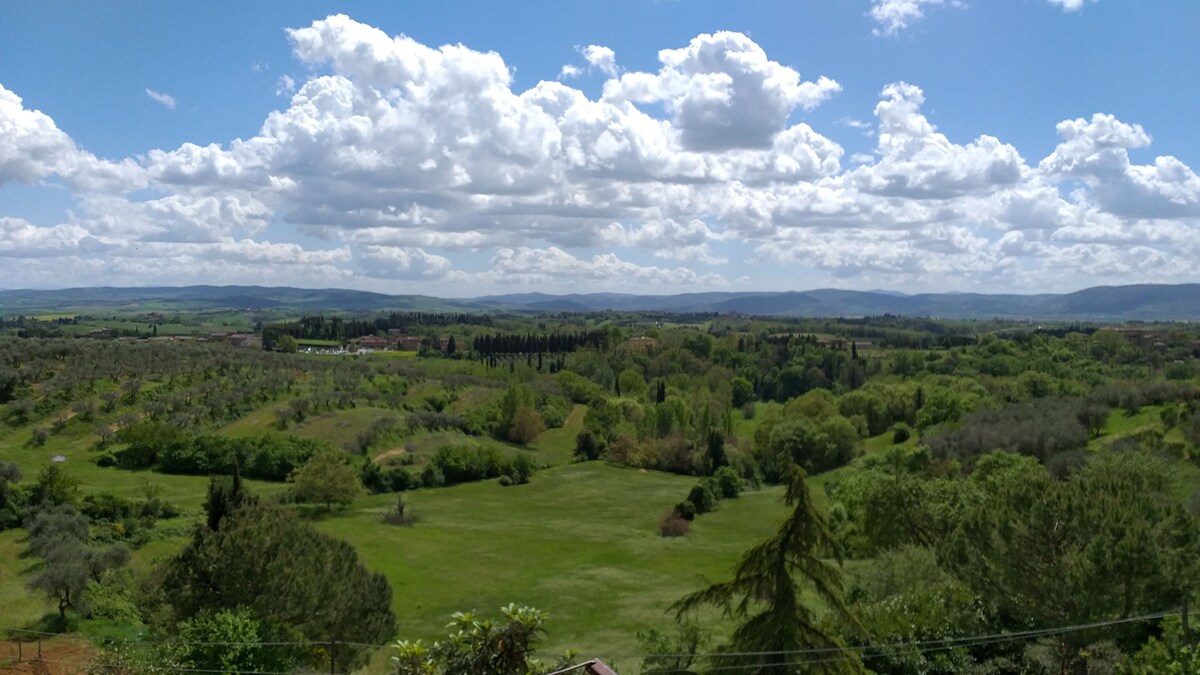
(557, 446)
(579, 542)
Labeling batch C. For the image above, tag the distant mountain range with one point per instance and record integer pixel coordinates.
(1146, 302)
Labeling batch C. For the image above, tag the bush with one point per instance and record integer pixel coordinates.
(901, 434)
(587, 446)
(554, 411)
(726, 483)
(1038, 429)
(685, 510)
(435, 421)
(432, 476)
(673, 525)
(702, 497)
(400, 514)
(464, 464)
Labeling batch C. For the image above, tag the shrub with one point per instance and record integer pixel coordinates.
(673, 525)
(435, 421)
(432, 476)
(726, 483)
(521, 470)
(702, 497)
(685, 510)
(400, 514)
(901, 434)
(587, 446)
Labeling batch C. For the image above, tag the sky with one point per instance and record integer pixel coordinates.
(648, 146)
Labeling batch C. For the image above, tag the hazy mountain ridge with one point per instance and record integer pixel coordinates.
(1104, 303)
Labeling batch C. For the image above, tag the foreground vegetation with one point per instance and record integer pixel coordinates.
(694, 486)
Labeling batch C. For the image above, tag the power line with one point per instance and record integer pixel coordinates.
(945, 641)
(923, 646)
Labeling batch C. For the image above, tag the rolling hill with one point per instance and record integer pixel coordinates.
(1144, 302)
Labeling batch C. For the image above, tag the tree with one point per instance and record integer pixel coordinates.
(816, 447)
(1093, 415)
(714, 445)
(287, 344)
(726, 483)
(64, 575)
(516, 397)
(701, 496)
(11, 505)
(224, 496)
(328, 479)
(894, 503)
(741, 391)
(632, 383)
(587, 446)
(300, 584)
(764, 596)
(1106, 543)
(526, 425)
(59, 536)
(54, 486)
(226, 640)
(672, 655)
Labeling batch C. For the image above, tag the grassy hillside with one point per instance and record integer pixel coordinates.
(579, 542)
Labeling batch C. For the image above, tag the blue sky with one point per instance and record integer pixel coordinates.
(669, 146)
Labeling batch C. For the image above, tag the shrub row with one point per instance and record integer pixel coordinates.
(170, 449)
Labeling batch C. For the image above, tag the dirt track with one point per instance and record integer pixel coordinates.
(59, 657)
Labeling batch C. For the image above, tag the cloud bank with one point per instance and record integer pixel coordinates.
(401, 166)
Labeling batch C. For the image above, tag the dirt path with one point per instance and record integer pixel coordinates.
(59, 657)
(390, 453)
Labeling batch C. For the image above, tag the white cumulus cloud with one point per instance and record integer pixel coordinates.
(401, 165)
(601, 58)
(167, 100)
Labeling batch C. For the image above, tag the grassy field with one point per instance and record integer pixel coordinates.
(579, 542)
(556, 446)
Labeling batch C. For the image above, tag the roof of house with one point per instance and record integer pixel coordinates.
(593, 667)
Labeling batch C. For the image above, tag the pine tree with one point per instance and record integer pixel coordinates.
(764, 597)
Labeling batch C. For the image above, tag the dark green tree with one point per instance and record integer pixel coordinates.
(12, 508)
(764, 597)
(301, 584)
(54, 486)
(587, 446)
(1106, 543)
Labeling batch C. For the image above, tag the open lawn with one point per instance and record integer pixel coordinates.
(580, 542)
(557, 446)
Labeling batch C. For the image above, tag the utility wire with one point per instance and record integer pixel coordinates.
(952, 642)
(886, 649)
(923, 646)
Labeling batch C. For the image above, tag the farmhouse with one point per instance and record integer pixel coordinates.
(643, 343)
(371, 342)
